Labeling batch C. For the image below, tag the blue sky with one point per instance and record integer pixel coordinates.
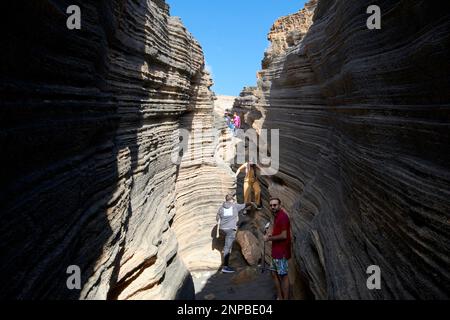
(233, 35)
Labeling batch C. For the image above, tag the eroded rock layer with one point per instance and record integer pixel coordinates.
(364, 160)
(204, 178)
(89, 122)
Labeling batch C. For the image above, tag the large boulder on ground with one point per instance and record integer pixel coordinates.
(250, 246)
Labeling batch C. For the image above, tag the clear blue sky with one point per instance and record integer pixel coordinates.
(233, 35)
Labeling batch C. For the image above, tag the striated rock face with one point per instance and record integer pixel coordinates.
(364, 160)
(222, 103)
(248, 105)
(89, 120)
(288, 31)
(225, 148)
(204, 178)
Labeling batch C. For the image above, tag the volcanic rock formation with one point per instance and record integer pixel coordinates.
(364, 160)
(99, 174)
(90, 125)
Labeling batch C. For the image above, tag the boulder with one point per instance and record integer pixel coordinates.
(250, 246)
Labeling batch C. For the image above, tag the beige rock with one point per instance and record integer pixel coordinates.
(288, 31)
(250, 246)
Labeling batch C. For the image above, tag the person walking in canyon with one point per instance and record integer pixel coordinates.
(251, 184)
(229, 121)
(281, 248)
(237, 123)
(227, 220)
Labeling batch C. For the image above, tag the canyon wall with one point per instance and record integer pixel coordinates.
(89, 122)
(364, 157)
(204, 179)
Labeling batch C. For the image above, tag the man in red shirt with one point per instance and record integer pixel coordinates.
(281, 248)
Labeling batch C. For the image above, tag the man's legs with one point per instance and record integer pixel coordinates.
(276, 279)
(247, 192)
(280, 276)
(285, 286)
(230, 235)
(257, 191)
(226, 259)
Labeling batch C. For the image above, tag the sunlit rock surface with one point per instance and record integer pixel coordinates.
(204, 179)
(364, 124)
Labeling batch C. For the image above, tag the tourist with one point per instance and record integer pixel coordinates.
(237, 123)
(229, 121)
(227, 118)
(281, 248)
(227, 218)
(251, 183)
(230, 124)
(237, 120)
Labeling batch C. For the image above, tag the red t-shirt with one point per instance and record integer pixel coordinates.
(281, 248)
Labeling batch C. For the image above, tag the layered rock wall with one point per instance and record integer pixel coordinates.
(89, 121)
(364, 160)
(204, 178)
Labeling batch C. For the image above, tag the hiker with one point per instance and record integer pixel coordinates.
(231, 125)
(251, 183)
(281, 248)
(227, 218)
(237, 123)
(227, 118)
(229, 121)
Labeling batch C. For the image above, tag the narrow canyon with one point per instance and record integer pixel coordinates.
(99, 172)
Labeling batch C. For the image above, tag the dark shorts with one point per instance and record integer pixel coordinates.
(280, 266)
